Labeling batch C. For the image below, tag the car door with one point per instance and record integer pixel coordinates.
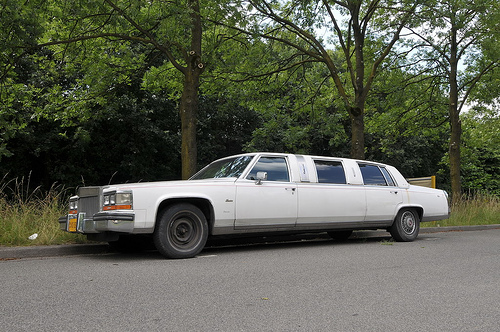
(383, 197)
(331, 199)
(267, 202)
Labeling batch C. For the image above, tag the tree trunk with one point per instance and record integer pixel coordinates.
(455, 123)
(356, 114)
(189, 99)
(455, 142)
(189, 115)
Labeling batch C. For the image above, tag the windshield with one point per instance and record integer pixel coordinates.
(226, 168)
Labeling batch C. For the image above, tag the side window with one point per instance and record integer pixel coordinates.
(330, 171)
(372, 175)
(388, 177)
(275, 167)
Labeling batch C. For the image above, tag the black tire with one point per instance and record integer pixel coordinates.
(406, 226)
(181, 231)
(340, 235)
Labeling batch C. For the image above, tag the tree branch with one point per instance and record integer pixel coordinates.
(472, 83)
(151, 39)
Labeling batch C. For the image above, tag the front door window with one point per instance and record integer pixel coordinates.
(271, 202)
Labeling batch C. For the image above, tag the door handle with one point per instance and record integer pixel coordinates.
(394, 192)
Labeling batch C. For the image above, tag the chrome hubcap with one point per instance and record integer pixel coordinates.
(182, 232)
(408, 223)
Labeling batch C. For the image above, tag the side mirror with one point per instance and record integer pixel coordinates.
(260, 177)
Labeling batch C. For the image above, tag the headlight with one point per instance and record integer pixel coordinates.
(73, 203)
(117, 201)
(124, 198)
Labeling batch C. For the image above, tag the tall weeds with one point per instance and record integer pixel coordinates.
(25, 212)
(473, 209)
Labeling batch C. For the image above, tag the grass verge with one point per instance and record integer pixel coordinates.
(479, 209)
(25, 213)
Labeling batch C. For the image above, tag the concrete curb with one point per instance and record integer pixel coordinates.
(458, 228)
(427, 230)
(11, 253)
(8, 253)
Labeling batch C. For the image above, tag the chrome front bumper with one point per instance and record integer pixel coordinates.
(113, 221)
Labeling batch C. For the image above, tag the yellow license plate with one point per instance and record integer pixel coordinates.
(72, 225)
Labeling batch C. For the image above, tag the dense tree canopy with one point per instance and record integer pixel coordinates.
(97, 91)
(453, 34)
(365, 32)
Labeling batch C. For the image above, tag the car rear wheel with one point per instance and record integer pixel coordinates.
(181, 231)
(406, 226)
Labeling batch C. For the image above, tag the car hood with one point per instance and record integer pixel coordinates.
(158, 184)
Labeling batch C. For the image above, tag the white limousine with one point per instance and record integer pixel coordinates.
(256, 193)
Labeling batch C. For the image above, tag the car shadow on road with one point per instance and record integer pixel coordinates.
(284, 242)
(219, 246)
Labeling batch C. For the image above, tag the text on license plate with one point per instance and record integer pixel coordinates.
(72, 225)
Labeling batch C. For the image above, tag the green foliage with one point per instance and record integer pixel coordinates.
(111, 43)
(19, 28)
(224, 127)
(476, 53)
(106, 109)
(101, 110)
(406, 121)
(481, 152)
(287, 132)
(480, 168)
(290, 93)
(135, 137)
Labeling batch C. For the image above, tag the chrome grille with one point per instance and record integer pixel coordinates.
(89, 201)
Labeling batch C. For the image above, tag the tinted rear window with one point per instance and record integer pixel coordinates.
(330, 171)
(372, 175)
(388, 176)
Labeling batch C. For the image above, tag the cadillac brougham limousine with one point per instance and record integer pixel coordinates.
(256, 193)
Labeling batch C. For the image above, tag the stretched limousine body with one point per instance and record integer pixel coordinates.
(256, 193)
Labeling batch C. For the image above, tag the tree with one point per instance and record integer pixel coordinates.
(19, 26)
(481, 150)
(406, 120)
(461, 39)
(168, 30)
(365, 31)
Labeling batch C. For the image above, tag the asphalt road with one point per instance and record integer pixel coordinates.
(446, 281)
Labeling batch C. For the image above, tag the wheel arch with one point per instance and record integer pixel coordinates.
(419, 209)
(203, 204)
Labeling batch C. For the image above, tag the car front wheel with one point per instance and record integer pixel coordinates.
(406, 226)
(181, 232)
